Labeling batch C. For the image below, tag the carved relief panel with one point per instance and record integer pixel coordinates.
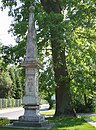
(31, 81)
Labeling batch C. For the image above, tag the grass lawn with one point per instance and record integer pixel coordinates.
(48, 112)
(92, 118)
(63, 123)
(71, 124)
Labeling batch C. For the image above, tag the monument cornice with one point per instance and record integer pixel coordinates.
(32, 63)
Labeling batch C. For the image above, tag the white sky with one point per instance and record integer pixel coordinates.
(5, 22)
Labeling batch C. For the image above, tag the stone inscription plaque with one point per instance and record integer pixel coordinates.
(30, 85)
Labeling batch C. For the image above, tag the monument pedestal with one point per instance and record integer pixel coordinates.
(31, 118)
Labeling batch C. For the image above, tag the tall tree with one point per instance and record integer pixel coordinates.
(63, 96)
(5, 82)
(76, 15)
(81, 66)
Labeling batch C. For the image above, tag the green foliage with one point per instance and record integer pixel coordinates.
(81, 65)
(4, 122)
(11, 76)
(5, 84)
(6, 55)
(47, 83)
(12, 55)
(17, 77)
(10, 103)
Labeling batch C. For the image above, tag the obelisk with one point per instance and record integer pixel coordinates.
(31, 117)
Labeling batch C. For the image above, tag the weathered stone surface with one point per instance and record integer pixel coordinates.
(31, 124)
(33, 63)
(31, 51)
(30, 99)
(31, 117)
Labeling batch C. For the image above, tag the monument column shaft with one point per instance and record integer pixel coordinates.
(31, 51)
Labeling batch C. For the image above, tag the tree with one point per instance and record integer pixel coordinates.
(12, 54)
(58, 50)
(57, 24)
(5, 83)
(47, 85)
(81, 66)
(17, 77)
(14, 73)
(63, 96)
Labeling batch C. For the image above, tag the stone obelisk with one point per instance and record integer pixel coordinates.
(31, 117)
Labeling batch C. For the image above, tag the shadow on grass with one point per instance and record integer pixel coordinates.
(61, 124)
(67, 122)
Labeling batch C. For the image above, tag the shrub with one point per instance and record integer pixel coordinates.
(4, 121)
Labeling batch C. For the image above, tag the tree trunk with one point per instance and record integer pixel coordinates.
(63, 97)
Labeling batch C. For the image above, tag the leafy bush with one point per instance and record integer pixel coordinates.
(4, 121)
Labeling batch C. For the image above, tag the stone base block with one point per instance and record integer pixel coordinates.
(36, 118)
(30, 124)
(30, 99)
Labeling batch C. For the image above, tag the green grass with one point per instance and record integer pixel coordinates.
(48, 112)
(63, 123)
(90, 117)
(71, 124)
(93, 118)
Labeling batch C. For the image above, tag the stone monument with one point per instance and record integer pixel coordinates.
(31, 117)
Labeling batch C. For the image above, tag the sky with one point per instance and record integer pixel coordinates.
(5, 21)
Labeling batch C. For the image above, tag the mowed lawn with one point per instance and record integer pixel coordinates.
(71, 124)
(92, 118)
(62, 123)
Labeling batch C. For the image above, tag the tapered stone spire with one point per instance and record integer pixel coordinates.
(31, 117)
(31, 52)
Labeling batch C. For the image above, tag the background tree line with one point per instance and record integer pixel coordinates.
(11, 75)
(66, 36)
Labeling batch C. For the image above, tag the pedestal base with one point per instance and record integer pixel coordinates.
(31, 121)
(30, 124)
(31, 118)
